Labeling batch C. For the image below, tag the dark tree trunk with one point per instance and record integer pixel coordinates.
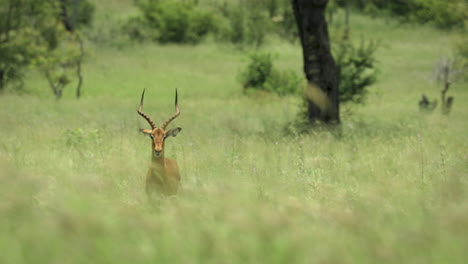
(446, 102)
(69, 24)
(78, 67)
(1, 79)
(319, 66)
(65, 17)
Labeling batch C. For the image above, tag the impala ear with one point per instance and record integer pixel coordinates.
(173, 132)
(146, 131)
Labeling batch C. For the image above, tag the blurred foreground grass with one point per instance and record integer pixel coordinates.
(73, 173)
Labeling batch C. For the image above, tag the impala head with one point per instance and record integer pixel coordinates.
(159, 135)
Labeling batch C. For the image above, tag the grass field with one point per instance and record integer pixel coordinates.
(390, 187)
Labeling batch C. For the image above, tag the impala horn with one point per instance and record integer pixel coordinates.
(177, 113)
(153, 125)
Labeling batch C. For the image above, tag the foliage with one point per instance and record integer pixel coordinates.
(33, 35)
(285, 23)
(241, 22)
(137, 29)
(81, 12)
(60, 65)
(261, 75)
(171, 21)
(461, 51)
(357, 68)
(248, 23)
(258, 70)
(16, 53)
(21, 42)
(444, 14)
(283, 82)
(332, 8)
(245, 24)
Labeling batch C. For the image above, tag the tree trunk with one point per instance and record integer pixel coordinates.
(1, 80)
(319, 66)
(78, 67)
(446, 102)
(64, 15)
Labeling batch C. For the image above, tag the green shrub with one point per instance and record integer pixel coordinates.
(137, 29)
(285, 23)
(357, 69)
(461, 58)
(202, 22)
(461, 51)
(236, 30)
(283, 82)
(443, 14)
(261, 75)
(16, 54)
(258, 70)
(171, 21)
(246, 25)
(81, 12)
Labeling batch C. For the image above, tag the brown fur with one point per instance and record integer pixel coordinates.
(163, 176)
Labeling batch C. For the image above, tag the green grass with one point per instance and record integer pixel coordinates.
(390, 187)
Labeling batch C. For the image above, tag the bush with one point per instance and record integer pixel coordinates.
(444, 14)
(246, 25)
(283, 82)
(286, 25)
(81, 12)
(258, 71)
(261, 75)
(461, 52)
(171, 21)
(16, 54)
(250, 22)
(242, 22)
(137, 29)
(356, 67)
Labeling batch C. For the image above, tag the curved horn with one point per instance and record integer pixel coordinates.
(153, 125)
(177, 113)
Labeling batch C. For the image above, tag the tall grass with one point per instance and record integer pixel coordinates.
(390, 187)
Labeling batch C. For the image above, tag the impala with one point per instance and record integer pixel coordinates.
(163, 176)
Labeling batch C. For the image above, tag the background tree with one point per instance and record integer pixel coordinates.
(81, 14)
(322, 94)
(447, 71)
(21, 38)
(42, 33)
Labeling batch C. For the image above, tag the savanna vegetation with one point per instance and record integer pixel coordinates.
(388, 185)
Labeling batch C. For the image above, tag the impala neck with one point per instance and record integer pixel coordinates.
(158, 160)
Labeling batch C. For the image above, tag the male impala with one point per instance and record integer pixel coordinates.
(163, 175)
